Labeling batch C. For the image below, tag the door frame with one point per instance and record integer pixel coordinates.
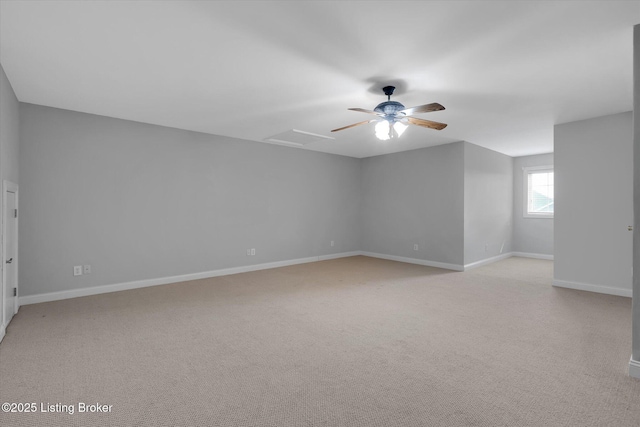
(8, 187)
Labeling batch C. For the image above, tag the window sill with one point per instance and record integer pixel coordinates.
(540, 216)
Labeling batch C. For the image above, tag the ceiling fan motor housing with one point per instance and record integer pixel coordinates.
(389, 108)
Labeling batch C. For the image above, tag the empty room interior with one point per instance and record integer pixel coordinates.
(319, 213)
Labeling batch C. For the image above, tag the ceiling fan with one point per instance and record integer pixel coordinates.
(393, 117)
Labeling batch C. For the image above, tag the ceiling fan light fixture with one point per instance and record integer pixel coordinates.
(383, 129)
(399, 127)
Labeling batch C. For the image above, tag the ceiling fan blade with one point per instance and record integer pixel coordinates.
(362, 110)
(427, 108)
(426, 123)
(354, 125)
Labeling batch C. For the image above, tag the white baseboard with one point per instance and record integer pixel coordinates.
(622, 292)
(487, 261)
(75, 293)
(340, 255)
(532, 255)
(455, 267)
(2, 332)
(95, 290)
(634, 368)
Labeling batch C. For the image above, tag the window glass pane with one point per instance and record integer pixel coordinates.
(539, 179)
(540, 189)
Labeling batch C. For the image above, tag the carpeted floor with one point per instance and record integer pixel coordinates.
(348, 342)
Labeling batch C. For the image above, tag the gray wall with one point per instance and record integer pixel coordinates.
(488, 203)
(530, 235)
(139, 201)
(9, 127)
(9, 144)
(594, 196)
(415, 197)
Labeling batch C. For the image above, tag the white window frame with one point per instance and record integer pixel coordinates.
(525, 195)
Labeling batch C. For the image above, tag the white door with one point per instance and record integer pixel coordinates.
(10, 275)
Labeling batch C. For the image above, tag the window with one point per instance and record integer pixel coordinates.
(538, 189)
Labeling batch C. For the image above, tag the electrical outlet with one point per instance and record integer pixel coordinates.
(486, 247)
(248, 252)
(415, 247)
(253, 251)
(332, 243)
(77, 270)
(86, 269)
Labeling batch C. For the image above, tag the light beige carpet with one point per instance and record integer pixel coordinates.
(348, 342)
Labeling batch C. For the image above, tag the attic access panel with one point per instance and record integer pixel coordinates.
(297, 138)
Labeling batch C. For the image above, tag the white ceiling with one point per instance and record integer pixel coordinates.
(505, 71)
